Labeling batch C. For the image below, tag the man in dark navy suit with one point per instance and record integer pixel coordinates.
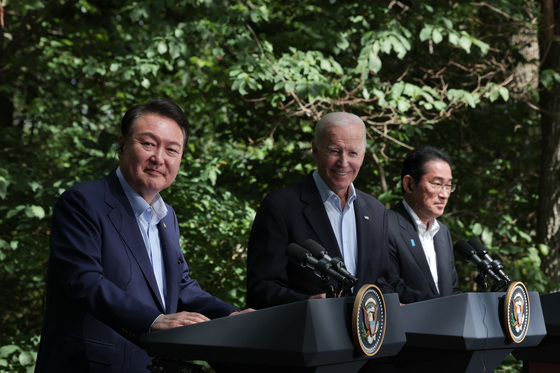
(116, 270)
(422, 262)
(326, 208)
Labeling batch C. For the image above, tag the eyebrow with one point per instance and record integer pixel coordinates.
(331, 147)
(441, 179)
(151, 135)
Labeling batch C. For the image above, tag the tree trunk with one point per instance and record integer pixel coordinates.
(548, 218)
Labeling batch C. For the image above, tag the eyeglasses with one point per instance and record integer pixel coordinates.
(438, 187)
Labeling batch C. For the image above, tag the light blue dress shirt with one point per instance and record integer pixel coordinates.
(148, 216)
(343, 222)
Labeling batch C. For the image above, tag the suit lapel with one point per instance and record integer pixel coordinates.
(409, 234)
(171, 270)
(443, 269)
(123, 219)
(364, 230)
(317, 217)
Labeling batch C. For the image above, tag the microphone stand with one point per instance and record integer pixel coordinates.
(480, 281)
(331, 292)
(496, 285)
(342, 287)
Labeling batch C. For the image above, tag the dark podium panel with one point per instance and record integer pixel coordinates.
(546, 356)
(310, 336)
(461, 333)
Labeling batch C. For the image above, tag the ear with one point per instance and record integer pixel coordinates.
(408, 184)
(313, 148)
(120, 145)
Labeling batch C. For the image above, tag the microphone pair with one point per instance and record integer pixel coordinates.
(311, 254)
(475, 252)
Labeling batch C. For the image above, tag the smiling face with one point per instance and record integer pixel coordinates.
(151, 155)
(339, 155)
(427, 197)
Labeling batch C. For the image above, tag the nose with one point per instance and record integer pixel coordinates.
(343, 160)
(157, 155)
(446, 193)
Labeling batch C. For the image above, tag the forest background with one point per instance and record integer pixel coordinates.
(478, 79)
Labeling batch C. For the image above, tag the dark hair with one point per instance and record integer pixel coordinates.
(159, 106)
(415, 161)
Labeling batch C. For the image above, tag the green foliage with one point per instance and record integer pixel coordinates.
(253, 78)
(549, 77)
(510, 365)
(20, 355)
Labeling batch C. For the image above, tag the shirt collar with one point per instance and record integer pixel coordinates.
(434, 228)
(326, 192)
(139, 204)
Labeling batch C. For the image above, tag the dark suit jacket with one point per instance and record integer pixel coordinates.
(409, 271)
(101, 289)
(293, 215)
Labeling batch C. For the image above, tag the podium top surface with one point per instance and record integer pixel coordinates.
(468, 321)
(306, 333)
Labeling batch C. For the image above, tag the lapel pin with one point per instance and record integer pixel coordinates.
(412, 242)
(366, 217)
(165, 226)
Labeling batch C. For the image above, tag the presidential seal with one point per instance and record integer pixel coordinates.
(516, 312)
(368, 320)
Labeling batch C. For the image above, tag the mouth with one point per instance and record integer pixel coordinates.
(340, 173)
(154, 172)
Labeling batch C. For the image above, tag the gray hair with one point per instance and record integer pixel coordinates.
(337, 119)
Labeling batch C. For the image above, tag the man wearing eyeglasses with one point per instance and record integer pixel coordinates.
(421, 250)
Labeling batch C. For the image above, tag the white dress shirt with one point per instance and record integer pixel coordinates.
(427, 241)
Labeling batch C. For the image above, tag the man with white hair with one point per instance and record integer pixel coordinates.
(325, 207)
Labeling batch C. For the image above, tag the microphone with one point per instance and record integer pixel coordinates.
(483, 266)
(322, 267)
(496, 265)
(319, 252)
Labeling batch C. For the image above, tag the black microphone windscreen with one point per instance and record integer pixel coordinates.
(480, 249)
(464, 249)
(296, 253)
(314, 248)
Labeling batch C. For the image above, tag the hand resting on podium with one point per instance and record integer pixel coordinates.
(183, 318)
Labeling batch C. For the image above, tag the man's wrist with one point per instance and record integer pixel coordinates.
(160, 315)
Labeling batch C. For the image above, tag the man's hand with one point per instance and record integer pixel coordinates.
(177, 319)
(242, 311)
(319, 296)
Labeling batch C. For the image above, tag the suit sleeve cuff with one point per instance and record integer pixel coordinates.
(161, 314)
